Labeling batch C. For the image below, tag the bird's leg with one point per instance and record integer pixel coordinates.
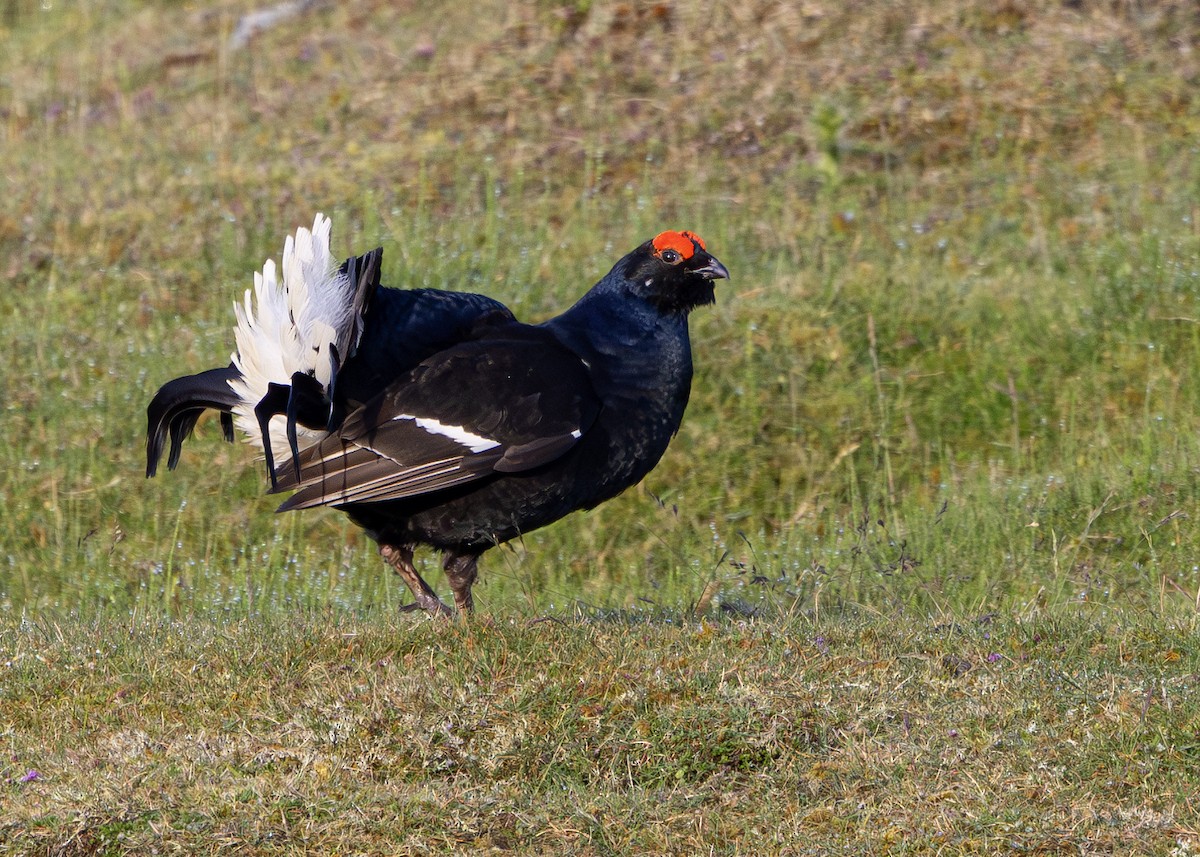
(399, 557)
(461, 570)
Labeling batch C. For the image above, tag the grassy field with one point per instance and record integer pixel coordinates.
(919, 574)
(386, 736)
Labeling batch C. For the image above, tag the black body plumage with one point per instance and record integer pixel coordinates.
(457, 427)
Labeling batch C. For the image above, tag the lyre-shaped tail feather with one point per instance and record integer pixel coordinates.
(178, 404)
(294, 332)
(363, 271)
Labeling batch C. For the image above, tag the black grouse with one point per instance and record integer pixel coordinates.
(435, 418)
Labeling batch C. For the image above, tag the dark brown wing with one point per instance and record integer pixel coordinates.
(507, 403)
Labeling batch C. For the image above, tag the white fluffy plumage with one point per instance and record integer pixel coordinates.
(289, 326)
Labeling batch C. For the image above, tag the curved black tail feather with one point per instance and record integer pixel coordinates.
(364, 271)
(178, 404)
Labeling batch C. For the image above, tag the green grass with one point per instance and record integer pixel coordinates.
(952, 378)
(951, 370)
(329, 735)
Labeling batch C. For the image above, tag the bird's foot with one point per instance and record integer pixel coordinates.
(433, 606)
(399, 557)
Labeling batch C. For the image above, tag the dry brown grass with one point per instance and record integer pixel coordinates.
(583, 98)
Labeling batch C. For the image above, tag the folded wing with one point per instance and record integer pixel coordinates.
(507, 403)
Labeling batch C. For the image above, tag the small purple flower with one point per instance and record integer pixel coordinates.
(29, 776)
(993, 657)
(820, 644)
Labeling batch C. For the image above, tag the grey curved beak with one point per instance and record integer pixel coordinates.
(712, 270)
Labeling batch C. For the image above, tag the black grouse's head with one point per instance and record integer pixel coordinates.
(674, 272)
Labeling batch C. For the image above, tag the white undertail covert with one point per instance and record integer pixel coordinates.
(288, 326)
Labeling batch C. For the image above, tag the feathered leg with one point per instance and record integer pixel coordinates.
(461, 570)
(399, 557)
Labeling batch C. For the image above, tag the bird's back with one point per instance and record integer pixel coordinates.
(404, 327)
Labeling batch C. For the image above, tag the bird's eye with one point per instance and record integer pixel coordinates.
(671, 257)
